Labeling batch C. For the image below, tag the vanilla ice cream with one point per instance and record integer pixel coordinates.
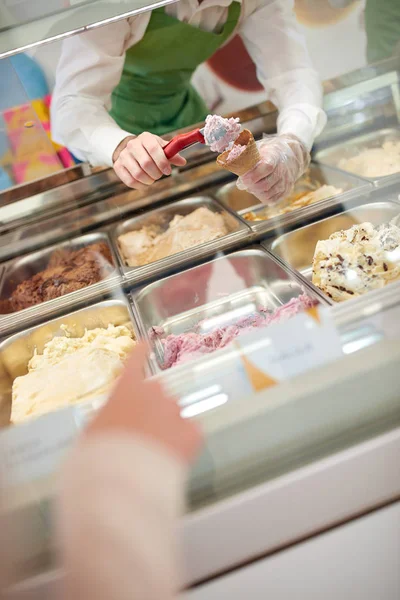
(71, 370)
(357, 260)
(149, 244)
(374, 162)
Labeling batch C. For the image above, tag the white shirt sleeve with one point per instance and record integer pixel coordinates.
(120, 499)
(89, 69)
(284, 68)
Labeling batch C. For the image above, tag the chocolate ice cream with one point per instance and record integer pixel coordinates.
(67, 271)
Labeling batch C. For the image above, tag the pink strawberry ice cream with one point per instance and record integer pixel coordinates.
(220, 133)
(182, 348)
(236, 151)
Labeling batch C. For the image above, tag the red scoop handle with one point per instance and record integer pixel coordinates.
(182, 141)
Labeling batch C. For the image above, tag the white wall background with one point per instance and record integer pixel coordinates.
(338, 48)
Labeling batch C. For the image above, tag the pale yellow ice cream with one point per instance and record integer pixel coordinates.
(295, 202)
(374, 162)
(322, 193)
(71, 370)
(149, 244)
(357, 260)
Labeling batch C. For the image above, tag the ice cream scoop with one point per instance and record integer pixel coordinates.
(218, 133)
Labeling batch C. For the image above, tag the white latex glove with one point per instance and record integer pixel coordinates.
(284, 158)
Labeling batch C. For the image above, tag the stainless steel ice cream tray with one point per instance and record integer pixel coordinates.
(161, 217)
(332, 155)
(17, 350)
(296, 248)
(352, 187)
(216, 293)
(21, 269)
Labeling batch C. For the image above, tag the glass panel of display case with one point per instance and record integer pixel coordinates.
(24, 24)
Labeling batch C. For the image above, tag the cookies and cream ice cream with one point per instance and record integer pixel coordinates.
(179, 349)
(374, 162)
(70, 370)
(357, 260)
(151, 243)
(67, 271)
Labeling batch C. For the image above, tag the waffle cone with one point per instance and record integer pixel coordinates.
(248, 158)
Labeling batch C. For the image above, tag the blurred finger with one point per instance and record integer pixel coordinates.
(178, 160)
(136, 363)
(147, 163)
(132, 165)
(155, 151)
(264, 185)
(260, 171)
(278, 189)
(127, 178)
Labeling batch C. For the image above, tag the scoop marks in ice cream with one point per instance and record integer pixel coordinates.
(150, 243)
(71, 370)
(179, 349)
(357, 260)
(220, 133)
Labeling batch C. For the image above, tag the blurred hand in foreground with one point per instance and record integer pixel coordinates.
(122, 493)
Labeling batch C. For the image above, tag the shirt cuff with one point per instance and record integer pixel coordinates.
(104, 141)
(302, 120)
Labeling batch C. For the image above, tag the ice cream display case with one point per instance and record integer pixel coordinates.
(274, 328)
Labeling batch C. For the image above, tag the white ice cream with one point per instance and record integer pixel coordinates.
(71, 370)
(374, 162)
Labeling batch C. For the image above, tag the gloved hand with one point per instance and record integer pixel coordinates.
(284, 158)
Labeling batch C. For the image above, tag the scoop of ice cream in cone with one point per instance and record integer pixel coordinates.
(242, 157)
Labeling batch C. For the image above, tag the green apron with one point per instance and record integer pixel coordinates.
(382, 25)
(155, 93)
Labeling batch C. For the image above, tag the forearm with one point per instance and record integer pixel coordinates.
(89, 69)
(120, 499)
(86, 129)
(284, 68)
